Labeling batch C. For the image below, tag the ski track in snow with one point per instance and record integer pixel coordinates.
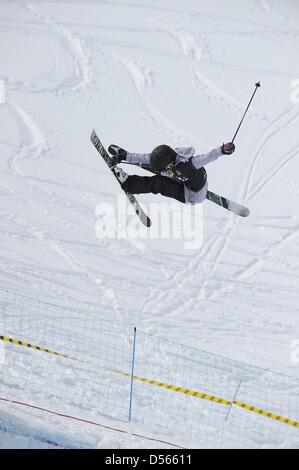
(34, 149)
(34, 145)
(270, 133)
(191, 49)
(194, 53)
(142, 79)
(219, 247)
(81, 71)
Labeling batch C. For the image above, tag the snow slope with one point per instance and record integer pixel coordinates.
(145, 73)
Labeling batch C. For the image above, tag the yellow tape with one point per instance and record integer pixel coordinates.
(268, 414)
(206, 396)
(33, 346)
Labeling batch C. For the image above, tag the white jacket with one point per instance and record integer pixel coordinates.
(183, 154)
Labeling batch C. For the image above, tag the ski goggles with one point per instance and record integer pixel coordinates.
(170, 169)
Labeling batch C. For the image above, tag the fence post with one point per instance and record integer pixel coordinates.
(132, 373)
(233, 400)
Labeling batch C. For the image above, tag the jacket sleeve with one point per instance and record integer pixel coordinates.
(143, 158)
(202, 160)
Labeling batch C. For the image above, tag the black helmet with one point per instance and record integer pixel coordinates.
(161, 157)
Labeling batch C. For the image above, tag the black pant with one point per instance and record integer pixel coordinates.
(155, 184)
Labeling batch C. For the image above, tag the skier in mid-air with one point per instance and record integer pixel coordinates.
(179, 174)
(187, 177)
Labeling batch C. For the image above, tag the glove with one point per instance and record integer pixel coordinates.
(228, 149)
(118, 154)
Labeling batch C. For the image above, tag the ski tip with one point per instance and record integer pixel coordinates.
(148, 222)
(245, 212)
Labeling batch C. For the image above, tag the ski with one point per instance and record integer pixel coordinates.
(222, 201)
(120, 176)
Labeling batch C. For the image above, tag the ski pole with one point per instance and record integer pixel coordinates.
(257, 85)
